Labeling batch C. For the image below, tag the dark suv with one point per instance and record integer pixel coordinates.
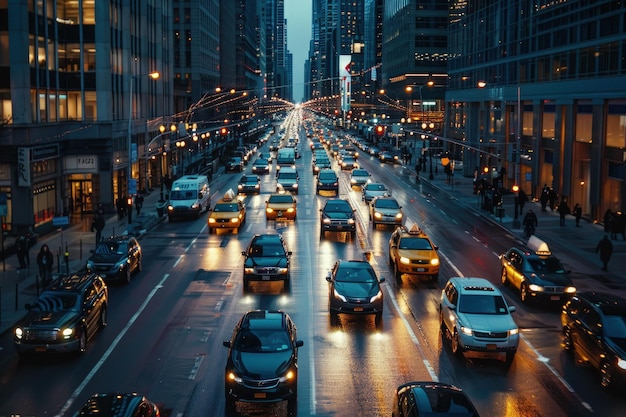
(116, 404)
(262, 364)
(116, 258)
(267, 259)
(594, 329)
(337, 216)
(65, 316)
(327, 180)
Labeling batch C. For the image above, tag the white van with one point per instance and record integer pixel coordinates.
(285, 157)
(189, 196)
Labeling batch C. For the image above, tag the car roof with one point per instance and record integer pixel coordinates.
(354, 263)
(267, 237)
(264, 319)
(608, 304)
(473, 285)
(111, 405)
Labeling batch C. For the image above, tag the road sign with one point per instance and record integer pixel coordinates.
(132, 186)
(60, 221)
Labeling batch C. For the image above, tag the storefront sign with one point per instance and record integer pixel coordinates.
(23, 167)
(81, 163)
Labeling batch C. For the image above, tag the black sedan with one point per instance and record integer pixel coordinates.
(415, 399)
(266, 259)
(354, 288)
(327, 180)
(594, 329)
(116, 258)
(261, 166)
(249, 184)
(337, 215)
(119, 404)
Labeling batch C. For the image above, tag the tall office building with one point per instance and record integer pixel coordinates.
(532, 97)
(79, 107)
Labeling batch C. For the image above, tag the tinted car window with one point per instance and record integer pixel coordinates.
(349, 274)
(109, 248)
(226, 208)
(482, 304)
(415, 243)
(546, 265)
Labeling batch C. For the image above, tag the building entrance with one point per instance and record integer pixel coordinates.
(81, 196)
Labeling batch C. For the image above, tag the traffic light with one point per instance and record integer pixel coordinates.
(223, 131)
(380, 130)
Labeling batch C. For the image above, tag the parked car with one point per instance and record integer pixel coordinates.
(429, 398)
(262, 363)
(337, 215)
(594, 330)
(476, 319)
(118, 405)
(354, 288)
(65, 316)
(116, 258)
(266, 259)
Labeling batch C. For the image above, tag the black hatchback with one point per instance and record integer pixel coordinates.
(262, 364)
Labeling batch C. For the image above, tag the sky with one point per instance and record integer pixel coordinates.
(298, 15)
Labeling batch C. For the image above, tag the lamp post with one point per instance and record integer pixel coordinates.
(129, 173)
(180, 144)
(518, 143)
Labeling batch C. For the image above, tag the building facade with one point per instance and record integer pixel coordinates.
(535, 95)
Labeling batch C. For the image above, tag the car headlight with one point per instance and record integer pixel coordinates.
(170, 208)
(621, 363)
(351, 221)
(195, 206)
(121, 264)
(513, 331)
(404, 260)
(399, 216)
(279, 185)
(326, 221)
(288, 376)
(19, 332)
(378, 296)
(352, 181)
(535, 288)
(291, 210)
(234, 220)
(338, 295)
(269, 210)
(239, 186)
(234, 377)
(283, 271)
(248, 271)
(211, 220)
(257, 186)
(295, 185)
(466, 330)
(570, 290)
(67, 333)
(378, 215)
(434, 261)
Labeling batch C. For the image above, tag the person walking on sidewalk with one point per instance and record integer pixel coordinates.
(97, 225)
(45, 260)
(530, 222)
(563, 210)
(605, 247)
(21, 248)
(577, 212)
(138, 203)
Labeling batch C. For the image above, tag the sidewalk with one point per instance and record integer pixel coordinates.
(574, 246)
(19, 286)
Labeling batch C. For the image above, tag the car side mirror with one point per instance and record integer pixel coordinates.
(512, 309)
(393, 246)
(226, 343)
(329, 277)
(381, 279)
(289, 253)
(436, 247)
(299, 343)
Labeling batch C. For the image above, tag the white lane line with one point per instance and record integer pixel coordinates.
(113, 345)
(313, 379)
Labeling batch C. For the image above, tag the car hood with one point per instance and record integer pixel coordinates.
(280, 206)
(364, 290)
(261, 365)
(618, 345)
(266, 261)
(105, 259)
(48, 319)
(558, 279)
(488, 322)
(387, 211)
(327, 180)
(337, 215)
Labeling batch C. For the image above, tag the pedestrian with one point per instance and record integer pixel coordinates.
(97, 225)
(543, 198)
(100, 210)
(21, 248)
(552, 197)
(563, 210)
(605, 247)
(608, 217)
(578, 212)
(45, 260)
(522, 199)
(618, 225)
(138, 203)
(121, 207)
(530, 222)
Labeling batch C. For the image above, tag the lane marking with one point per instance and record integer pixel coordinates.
(108, 352)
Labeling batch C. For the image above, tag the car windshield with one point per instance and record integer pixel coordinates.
(615, 327)
(182, 195)
(327, 176)
(338, 207)
(261, 162)
(110, 248)
(389, 204)
(226, 208)
(262, 340)
(482, 304)
(52, 302)
(355, 274)
(415, 243)
(547, 265)
(287, 175)
(266, 250)
(249, 180)
(359, 173)
(280, 199)
(376, 187)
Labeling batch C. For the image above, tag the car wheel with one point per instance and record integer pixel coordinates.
(102, 322)
(442, 325)
(396, 271)
(246, 285)
(287, 285)
(455, 344)
(567, 339)
(333, 318)
(503, 277)
(434, 278)
(82, 341)
(523, 292)
(353, 235)
(292, 407)
(605, 374)
(127, 274)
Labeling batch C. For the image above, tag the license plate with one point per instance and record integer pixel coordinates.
(555, 297)
(358, 308)
(40, 349)
(260, 395)
(492, 346)
(421, 269)
(280, 214)
(265, 277)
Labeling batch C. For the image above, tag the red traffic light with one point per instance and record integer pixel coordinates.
(380, 130)
(129, 202)
(223, 131)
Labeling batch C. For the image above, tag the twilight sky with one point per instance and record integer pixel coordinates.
(298, 15)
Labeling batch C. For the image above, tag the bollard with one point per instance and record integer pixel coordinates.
(67, 260)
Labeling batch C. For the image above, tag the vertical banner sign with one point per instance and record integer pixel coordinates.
(23, 167)
(346, 81)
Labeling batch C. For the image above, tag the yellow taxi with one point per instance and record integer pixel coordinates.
(228, 213)
(412, 252)
(281, 205)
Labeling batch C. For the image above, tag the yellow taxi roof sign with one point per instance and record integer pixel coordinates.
(540, 247)
(229, 195)
(415, 230)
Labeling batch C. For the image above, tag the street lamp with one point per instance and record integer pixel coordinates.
(129, 173)
(180, 144)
